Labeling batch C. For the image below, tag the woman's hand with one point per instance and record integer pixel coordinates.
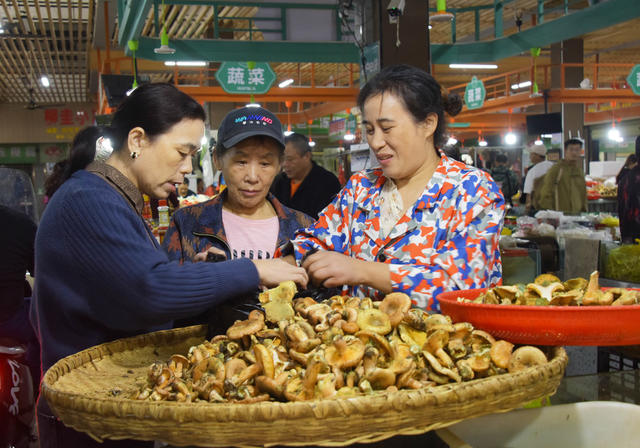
(273, 272)
(202, 256)
(330, 269)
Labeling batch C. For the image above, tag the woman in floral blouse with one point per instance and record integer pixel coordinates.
(422, 223)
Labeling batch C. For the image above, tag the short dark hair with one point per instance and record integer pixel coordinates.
(572, 141)
(420, 92)
(501, 158)
(299, 142)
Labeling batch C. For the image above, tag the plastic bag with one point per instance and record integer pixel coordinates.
(622, 263)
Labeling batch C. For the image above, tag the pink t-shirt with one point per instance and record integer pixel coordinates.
(250, 238)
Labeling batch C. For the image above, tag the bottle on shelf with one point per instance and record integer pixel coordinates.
(163, 218)
(146, 211)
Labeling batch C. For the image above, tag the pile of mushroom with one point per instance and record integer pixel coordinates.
(345, 346)
(547, 289)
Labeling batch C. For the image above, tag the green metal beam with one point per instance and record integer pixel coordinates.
(241, 50)
(131, 17)
(593, 18)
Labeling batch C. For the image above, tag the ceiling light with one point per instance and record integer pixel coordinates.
(614, 134)
(546, 136)
(487, 66)
(521, 85)
(312, 143)
(253, 105)
(510, 138)
(45, 81)
(286, 83)
(164, 43)
(538, 142)
(452, 141)
(185, 63)
(482, 143)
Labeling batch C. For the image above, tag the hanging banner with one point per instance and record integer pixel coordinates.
(474, 94)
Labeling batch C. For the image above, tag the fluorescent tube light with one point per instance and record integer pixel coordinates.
(185, 63)
(487, 66)
(522, 85)
(286, 83)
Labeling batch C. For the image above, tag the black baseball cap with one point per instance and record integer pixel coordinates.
(240, 124)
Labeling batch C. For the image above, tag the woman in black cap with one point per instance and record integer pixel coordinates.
(245, 220)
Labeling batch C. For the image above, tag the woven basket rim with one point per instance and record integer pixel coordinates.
(111, 406)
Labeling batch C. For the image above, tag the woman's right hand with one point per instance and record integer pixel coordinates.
(275, 271)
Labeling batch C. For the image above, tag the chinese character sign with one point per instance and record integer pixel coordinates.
(634, 79)
(474, 94)
(237, 77)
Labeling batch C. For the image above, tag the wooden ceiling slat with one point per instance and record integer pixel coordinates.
(11, 78)
(64, 55)
(191, 11)
(204, 14)
(176, 22)
(205, 22)
(33, 45)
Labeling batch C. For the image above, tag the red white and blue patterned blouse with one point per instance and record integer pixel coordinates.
(448, 240)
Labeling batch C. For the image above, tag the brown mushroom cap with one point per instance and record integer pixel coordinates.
(374, 320)
(566, 298)
(506, 292)
(264, 358)
(501, 353)
(479, 362)
(525, 357)
(278, 311)
(575, 283)
(345, 353)
(369, 337)
(546, 279)
(285, 291)
(395, 305)
(381, 378)
(243, 328)
(411, 336)
(233, 367)
(481, 339)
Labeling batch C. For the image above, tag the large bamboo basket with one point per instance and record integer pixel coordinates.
(79, 389)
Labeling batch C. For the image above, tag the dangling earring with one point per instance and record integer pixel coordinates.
(134, 155)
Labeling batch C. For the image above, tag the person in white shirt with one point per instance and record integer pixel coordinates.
(537, 155)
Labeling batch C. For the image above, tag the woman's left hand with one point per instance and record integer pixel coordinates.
(330, 269)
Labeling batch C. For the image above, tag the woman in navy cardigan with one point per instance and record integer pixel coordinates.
(101, 273)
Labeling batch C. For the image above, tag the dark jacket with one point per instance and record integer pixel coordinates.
(506, 180)
(198, 227)
(629, 205)
(101, 275)
(17, 236)
(315, 192)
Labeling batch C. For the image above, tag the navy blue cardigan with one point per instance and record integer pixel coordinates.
(102, 276)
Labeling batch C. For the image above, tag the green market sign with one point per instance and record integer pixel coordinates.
(18, 154)
(474, 94)
(634, 79)
(245, 77)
